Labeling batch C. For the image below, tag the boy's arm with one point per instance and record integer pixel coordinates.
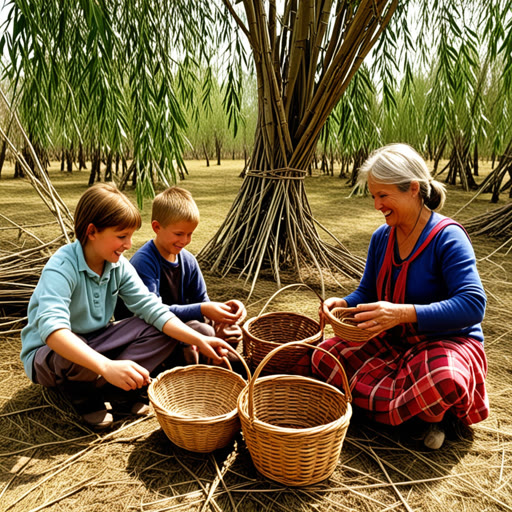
(194, 285)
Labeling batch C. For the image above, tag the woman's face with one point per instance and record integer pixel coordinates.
(399, 208)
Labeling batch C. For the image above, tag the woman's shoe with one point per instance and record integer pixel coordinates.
(434, 437)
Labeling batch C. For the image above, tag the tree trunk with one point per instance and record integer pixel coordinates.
(69, 159)
(81, 157)
(95, 167)
(206, 155)
(218, 149)
(108, 167)
(2, 155)
(301, 75)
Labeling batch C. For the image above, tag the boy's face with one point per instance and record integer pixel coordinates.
(171, 239)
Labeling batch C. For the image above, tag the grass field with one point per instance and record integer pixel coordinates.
(48, 461)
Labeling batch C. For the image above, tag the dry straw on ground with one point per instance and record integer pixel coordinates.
(50, 462)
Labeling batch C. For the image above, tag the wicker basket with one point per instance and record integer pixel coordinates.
(294, 426)
(196, 405)
(345, 327)
(265, 332)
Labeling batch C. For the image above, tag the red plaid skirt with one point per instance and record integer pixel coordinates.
(395, 382)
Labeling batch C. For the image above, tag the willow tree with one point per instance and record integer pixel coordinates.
(305, 59)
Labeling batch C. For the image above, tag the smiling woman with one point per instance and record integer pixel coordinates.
(422, 297)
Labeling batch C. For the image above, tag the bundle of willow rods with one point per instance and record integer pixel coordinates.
(496, 223)
(19, 273)
(271, 226)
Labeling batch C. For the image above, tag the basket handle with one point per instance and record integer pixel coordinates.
(265, 360)
(228, 364)
(322, 319)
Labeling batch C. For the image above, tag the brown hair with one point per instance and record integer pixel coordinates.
(173, 205)
(104, 206)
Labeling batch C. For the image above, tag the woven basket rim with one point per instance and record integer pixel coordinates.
(248, 323)
(362, 335)
(333, 318)
(324, 428)
(187, 419)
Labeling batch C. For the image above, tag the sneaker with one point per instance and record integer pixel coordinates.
(434, 437)
(135, 402)
(98, 420)
(88, 403)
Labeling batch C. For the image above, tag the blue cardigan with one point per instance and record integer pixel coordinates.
(148, 263)
(442, 282)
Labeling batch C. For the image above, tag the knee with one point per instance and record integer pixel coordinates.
(321, 364)
(201, 328)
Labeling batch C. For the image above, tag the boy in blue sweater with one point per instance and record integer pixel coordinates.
(172, 273)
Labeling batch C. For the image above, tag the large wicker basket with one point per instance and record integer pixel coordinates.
(265, 332)
(196, 405)
(345, 327)
(294, 426)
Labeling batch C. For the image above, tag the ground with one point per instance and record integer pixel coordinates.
(49, 461)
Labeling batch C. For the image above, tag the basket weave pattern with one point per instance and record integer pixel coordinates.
(264, 333)
(343, 325)
(196, 406)
(294, 426)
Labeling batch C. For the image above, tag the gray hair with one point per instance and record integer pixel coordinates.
(400, 164)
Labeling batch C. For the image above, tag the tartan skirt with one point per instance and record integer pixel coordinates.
(394, 382)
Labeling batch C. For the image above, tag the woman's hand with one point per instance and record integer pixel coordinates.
(331, 303)
(382, 316)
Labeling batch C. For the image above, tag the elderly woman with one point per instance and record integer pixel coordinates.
(422, 296)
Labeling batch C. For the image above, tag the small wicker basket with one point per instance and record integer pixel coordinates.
(196, 405)
(265, 332)
(294, 426)
(345, 327)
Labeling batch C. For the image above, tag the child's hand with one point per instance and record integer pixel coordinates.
(126, 374)
(238, 309)
(220, 312)
(214, 348)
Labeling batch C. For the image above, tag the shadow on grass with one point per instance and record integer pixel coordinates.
(370, 459)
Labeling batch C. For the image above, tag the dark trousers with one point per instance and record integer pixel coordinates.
(131, 339)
